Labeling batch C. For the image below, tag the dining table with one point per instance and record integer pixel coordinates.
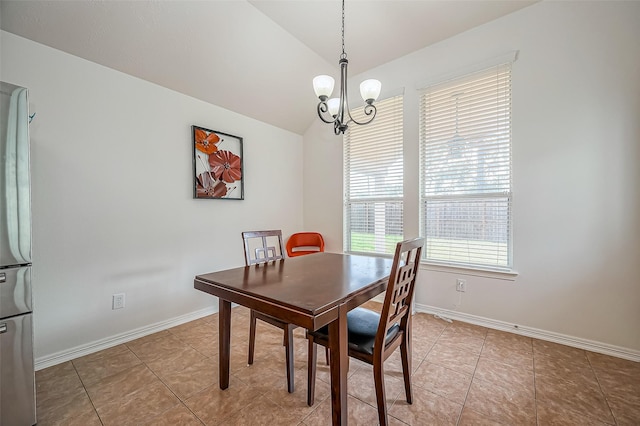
(309, 291)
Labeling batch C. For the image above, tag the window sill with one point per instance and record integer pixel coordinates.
(362, 253)
(508, 274)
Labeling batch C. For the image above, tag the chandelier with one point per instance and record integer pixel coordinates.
(336, 110)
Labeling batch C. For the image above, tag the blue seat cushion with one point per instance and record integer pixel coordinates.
(362, 326)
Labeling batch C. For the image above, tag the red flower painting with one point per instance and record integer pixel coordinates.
(218, 170)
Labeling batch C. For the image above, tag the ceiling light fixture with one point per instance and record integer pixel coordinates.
(338, 108)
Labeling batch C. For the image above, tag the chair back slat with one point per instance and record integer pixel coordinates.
(400, 290)
(262, 247)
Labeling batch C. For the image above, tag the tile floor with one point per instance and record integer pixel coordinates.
(463, 375)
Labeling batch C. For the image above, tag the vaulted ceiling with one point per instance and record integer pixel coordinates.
(253, 57)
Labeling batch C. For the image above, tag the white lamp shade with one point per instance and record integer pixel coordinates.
(323, 85)
(370, 89)
(334, 106)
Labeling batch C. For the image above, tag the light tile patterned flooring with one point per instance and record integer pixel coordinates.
(462, 375)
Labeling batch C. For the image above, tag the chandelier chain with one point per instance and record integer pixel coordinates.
(344, 55)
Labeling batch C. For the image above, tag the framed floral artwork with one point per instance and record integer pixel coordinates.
(217, 165)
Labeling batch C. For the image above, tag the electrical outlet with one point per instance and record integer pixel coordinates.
(461, 285)
(117, 301)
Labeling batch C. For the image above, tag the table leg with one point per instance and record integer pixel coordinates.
(339, 366)
(224, 341)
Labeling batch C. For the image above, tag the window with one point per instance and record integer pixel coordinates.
(465, 157)
(373, 179)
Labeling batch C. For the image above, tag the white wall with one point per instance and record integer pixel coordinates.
(323, 170)
(576, 150)
(112, 196)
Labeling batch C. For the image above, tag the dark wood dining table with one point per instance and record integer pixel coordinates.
(308, 291)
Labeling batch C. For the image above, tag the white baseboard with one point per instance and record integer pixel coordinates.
(576, 342)
(98, 345)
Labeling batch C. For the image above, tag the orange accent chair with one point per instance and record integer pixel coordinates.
(303, 243)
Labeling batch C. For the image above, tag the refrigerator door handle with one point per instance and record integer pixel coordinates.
(3, 277)
(3, 327)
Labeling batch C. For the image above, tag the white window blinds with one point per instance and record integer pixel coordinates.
(373, 180)
(465, 156)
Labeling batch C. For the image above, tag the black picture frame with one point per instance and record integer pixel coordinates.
(218, 167)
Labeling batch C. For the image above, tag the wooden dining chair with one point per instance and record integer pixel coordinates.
(263, 247)
(302, 243)
(374, 337)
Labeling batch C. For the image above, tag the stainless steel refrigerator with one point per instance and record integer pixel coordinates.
(17, 378)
